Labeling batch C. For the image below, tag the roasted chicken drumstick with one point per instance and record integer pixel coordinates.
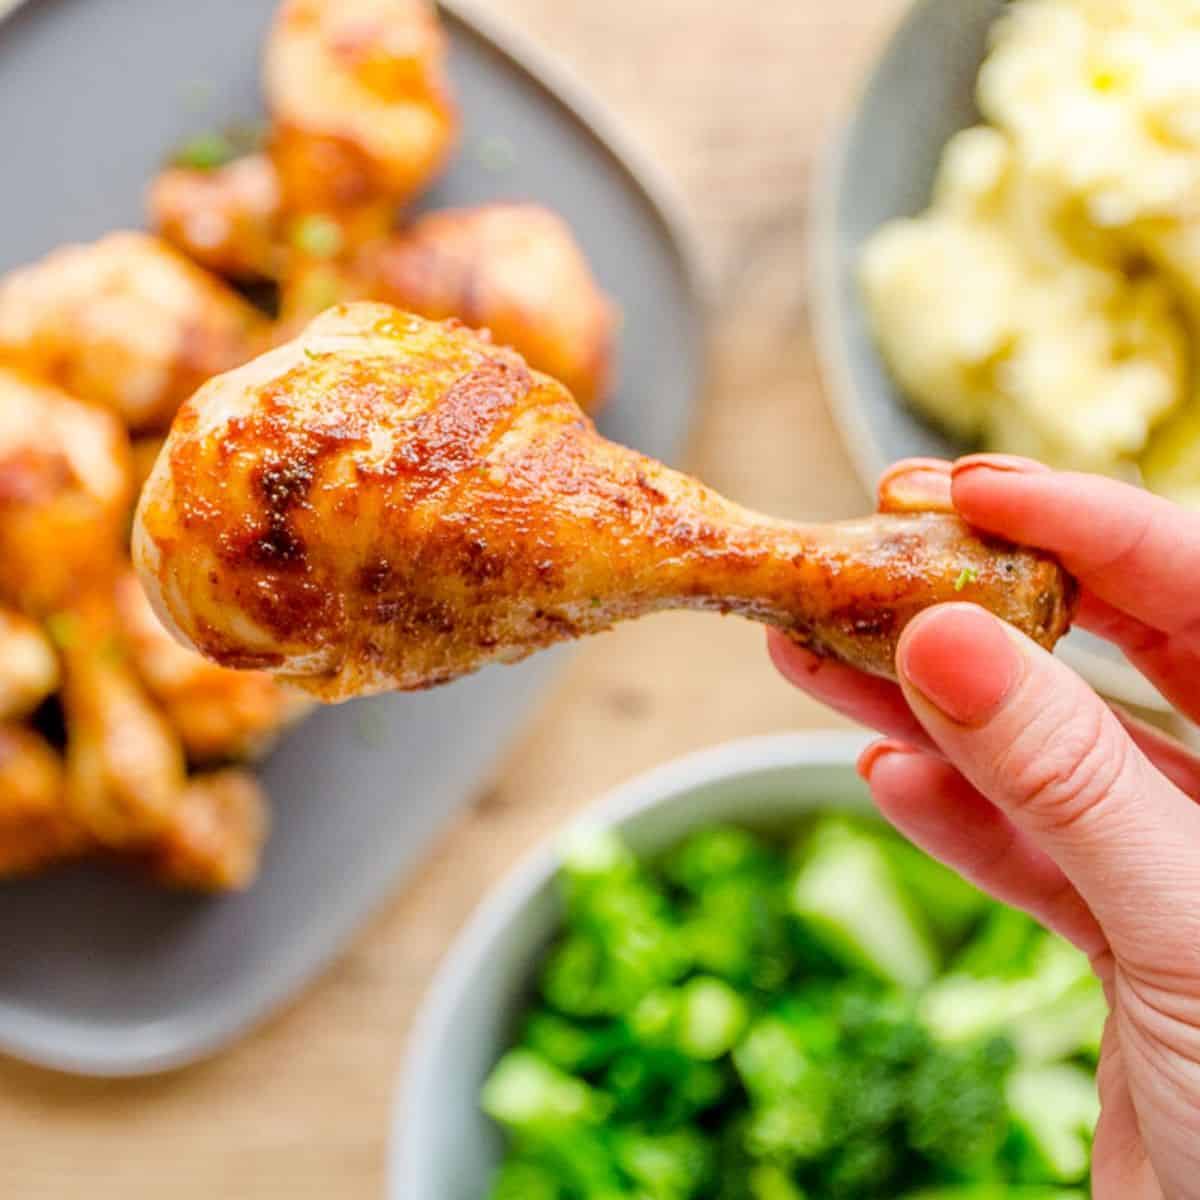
(389, 503)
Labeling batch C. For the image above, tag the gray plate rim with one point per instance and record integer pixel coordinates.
(1109, 676)
(560, 87)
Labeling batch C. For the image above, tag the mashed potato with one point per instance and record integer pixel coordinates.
(1048, 301)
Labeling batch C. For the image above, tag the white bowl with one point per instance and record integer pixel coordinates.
(443, 1148)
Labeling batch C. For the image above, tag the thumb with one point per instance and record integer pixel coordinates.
(1042, 746)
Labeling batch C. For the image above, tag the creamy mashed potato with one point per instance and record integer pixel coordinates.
(1048, 301)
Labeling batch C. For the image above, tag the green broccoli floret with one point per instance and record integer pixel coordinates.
(573, 1046)
(867, 1166)
(1054, 1111)
(586, 1162)
(956, 1112)
(1004, 946)
(718, 853)
(667, 1166)
(847, 896)
(791, 1129)
(1054, 1010)
(521, 1179)
(737, 927)
(948, 902)
(775, 1059)
(532, 1098)
(768, 1182)
(662, 1089)
(994, 1191)
(622, 940)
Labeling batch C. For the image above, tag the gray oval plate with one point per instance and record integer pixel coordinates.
(99, 974)
(919, 94)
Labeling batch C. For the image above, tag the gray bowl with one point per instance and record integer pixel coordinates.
(443, 1148)
(919, 93)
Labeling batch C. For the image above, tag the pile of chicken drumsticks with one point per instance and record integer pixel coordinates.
(116, 741)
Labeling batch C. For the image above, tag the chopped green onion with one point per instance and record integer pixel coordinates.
(63, 628)
(318, 236)
(205, 152)
(968, 575)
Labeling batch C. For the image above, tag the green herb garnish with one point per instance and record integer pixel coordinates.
(968, 575)
(205, 152)
(318, 236)
(63, 629)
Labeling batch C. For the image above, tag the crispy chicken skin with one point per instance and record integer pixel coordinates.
(226, 219)
(125, 766)
(64, 505)
(218, 714)
(35, 829)
(126, 323)
(390, 503)
(361, 115)
(216, 836)
(513, 269)
(65, 495)
(28, 665)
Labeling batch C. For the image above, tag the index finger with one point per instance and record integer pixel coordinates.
(1137, 551)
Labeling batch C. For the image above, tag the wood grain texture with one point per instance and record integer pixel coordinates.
(735, 102)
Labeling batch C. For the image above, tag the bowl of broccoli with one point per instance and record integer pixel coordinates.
(731, 981)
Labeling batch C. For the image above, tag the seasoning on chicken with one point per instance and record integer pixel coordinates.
(226, 219)
(65, 495)
(126, 323)
(28, 665)
(390, 503)
(361, 115)
(36, 830)
(218, 714)
(515, 270)
(64, 503)
(216, 836)
(125, 766)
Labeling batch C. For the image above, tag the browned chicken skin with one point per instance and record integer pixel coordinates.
(218, 714)
(391, 503)
(64, 503)
(360, 111)
(512, 269)
(65, 495)
(216, 835)
(126, 323)
(28, 665)
(515, 270)
(36, 830)
(225, 219)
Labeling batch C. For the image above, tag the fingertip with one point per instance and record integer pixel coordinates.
(872, 758)
(1011, 464)
(915, 485)
(796, 663)
(961, 660)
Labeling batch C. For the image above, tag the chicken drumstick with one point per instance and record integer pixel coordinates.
(389, 503)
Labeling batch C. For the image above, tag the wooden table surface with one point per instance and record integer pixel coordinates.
(735, 101)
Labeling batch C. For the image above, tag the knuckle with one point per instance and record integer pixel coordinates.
(1066, 775)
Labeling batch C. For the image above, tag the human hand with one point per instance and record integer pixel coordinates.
(1004, 764)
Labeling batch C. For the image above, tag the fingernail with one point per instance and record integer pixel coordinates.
(916, 485)
(1010, 463)
(874, 754)
(962, 660)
